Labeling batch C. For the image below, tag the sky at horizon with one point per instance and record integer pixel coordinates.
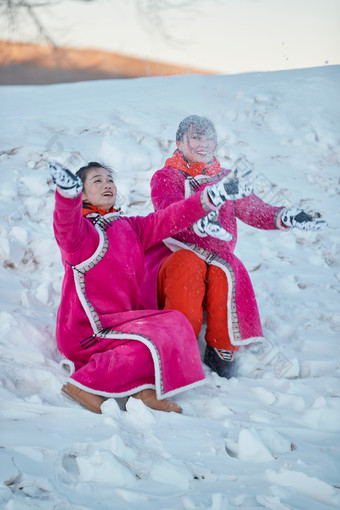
(222, 36)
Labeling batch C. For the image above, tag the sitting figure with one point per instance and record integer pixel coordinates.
(199, 270)
(117, 346)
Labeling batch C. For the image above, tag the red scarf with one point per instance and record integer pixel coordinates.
(193, 169)
(89, 208)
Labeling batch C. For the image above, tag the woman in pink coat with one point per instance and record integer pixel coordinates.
(118, 347)
(200, 269)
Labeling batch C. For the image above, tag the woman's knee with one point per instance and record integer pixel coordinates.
(184, 262)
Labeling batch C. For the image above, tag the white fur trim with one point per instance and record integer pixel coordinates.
(110, 395)
(135, 390)
(80, 266)
(68, 365)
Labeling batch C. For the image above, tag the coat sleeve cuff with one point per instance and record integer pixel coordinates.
(206, 202)
(277, 220)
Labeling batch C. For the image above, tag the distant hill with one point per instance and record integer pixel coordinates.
(32, 64)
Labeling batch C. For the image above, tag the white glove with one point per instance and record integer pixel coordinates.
(230, 187)
(210, 226)
(64, 179)
(298, 218)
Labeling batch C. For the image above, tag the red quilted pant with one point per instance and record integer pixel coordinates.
(187, 284)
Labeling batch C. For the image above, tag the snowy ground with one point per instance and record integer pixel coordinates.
(268, 439)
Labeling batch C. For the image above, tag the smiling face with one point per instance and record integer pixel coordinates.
(99, 188)
(198, 146)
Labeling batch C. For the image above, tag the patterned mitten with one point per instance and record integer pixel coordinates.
(210, 226)
(298, 218)
(64, 179)
(230, 187)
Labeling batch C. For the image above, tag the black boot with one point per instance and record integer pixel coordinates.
(220, 362)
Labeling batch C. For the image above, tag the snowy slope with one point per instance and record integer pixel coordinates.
(268, 439)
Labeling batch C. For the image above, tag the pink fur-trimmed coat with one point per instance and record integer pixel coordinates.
(116, 345)
(168, 186)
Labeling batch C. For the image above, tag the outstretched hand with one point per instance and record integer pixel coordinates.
(64, 179)
(298, 218)
(231, 187)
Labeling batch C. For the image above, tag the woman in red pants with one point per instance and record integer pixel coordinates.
(200, 270)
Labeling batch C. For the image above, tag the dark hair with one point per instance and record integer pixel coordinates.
(200, 124)
(84, 170)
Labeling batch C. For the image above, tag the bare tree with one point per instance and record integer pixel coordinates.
(29, 22)
(18, 13)
(153, 13)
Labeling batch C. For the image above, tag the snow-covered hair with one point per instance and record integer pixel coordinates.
(200, 124)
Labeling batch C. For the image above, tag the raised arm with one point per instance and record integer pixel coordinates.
(184, 213)
(69, 226)
(173, 219)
